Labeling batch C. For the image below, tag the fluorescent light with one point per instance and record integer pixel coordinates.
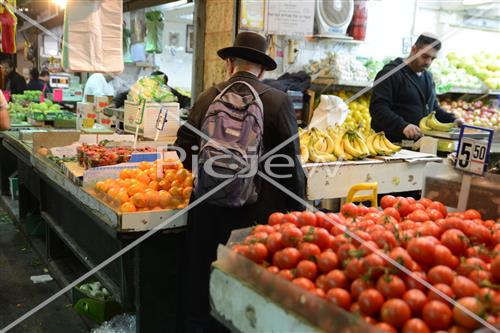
(60, 3)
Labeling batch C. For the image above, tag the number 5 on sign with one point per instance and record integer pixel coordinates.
(473, 154)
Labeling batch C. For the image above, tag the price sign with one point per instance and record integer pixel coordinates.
(162, 118)
(88, 122)
(140, 112)
(473, 154)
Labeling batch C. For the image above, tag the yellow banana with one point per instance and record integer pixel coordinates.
(369, 144)
(319, 157)
(338, 149)
(377, 144)
(349, 148)
(437, 125)
(363, 145)
(328, 140)
(332, 133)
(304, 153)
(389, 144)
(423, 124)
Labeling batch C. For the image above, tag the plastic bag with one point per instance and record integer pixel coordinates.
(124, 323)
(330, 111)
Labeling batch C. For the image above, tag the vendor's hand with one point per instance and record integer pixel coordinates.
(458, 122)
(412, 132)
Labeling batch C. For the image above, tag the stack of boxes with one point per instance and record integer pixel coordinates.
(91, 111)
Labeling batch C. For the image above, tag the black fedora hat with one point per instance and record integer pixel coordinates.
(249, 46)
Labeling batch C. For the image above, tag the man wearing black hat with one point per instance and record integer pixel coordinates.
(210, 225)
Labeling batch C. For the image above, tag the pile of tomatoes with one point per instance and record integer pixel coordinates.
(356, 259)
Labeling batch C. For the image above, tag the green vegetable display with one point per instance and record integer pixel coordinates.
(151, 89)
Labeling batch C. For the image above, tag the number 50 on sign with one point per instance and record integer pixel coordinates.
(473, 154)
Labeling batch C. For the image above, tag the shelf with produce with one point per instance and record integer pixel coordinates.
(472, 91)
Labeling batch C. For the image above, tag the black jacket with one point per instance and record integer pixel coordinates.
(15, 82)
(398, 101)
(35, 85)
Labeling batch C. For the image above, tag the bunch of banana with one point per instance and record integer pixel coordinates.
(378, 144)
(350, 145)
(320, 146)
(430, 123)
(304, 137)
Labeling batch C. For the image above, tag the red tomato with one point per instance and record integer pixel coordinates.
(401, 256)
(263, 228)
(464, 287)
(495, 269)
(354, 308)
(336, 279)
(309, 250)
(321, 282)
(275, 218)
(274, 242)
(416, 299)
(455, 240)
(373, 216)
(439, 206)
(432, 295)
(354, 269)
(273, 269)
(291, 236)
(373, 265)
(358, 286)
(362, 210)
(391, 286)
(349, 210)
(418, 216)
(479, 276)
(437, 315)
(321, 237)
(416, 206)
(339, 297)
(471, 264)
(411, 200)
(391, 211)
(416, 325)
(286, 274)
(395, 312)
(443, 256)
(421, 250)
(290, 218)
(304, 283)
(486, 295)
(339, 241)
(370, 320)
(479, 234)
(425, 202)
(318, 292)
(307, 269)
(345, 252)
(370, 301)
(287, 258)
(403, 207)
(386, 328)
(366, 248)
(412, 283)
(495, 238)
(327, 261)
(323, 221)
(387, 201)
(471, 214)
(307, 218)
(464, 319)
(257, 252)
(241, 249)
(441, 274)
(384, 239)
(434, 214)
(429, 228)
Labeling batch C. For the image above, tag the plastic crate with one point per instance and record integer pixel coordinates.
(95, 309)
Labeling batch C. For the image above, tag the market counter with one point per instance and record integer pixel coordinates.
(146, 278)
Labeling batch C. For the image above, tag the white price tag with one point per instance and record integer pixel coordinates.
(162, 118)
(138, 114)
(472, 155)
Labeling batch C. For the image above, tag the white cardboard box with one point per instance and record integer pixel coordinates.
(148, 127)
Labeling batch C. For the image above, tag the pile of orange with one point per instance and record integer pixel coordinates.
(152, 186)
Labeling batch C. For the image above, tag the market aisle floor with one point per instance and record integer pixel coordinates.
(19, 294)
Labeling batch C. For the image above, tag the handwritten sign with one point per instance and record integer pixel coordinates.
(290, 18)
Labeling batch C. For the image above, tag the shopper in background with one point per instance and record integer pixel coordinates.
(35, 82)
(14, 82)
(400, 100)
(184, 101)
(4, 113)
(45, 77)
(99, 85)
(210, 225)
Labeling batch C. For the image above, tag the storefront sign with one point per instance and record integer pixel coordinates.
(473, 154)
(252, 15)
(290, 18)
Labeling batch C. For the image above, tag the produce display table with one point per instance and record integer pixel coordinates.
(146, 278)
(399, 173)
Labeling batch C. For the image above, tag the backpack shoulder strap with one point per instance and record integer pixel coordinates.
(252, 90)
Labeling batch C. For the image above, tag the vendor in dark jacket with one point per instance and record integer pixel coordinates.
(14, 82)
(210, 225)
(408, 94)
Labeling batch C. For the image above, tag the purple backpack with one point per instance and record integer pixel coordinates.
(234, 122)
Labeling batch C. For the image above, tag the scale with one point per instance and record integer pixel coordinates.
(448, 141)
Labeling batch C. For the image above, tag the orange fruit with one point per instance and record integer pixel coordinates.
(186, 193)
(139, 200)
(153, 185)
(112, 193)
(99, 186)
(174, 203)
(188, 181)
(176, 183)
(152, 199)
(164, 185)
(133, 189)
(181, 174)
(121, 197)
(169, 175)
(175, 191)
(125, 173)
(128, 207)
(144, 165)
(164, 198)
(142, 177)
